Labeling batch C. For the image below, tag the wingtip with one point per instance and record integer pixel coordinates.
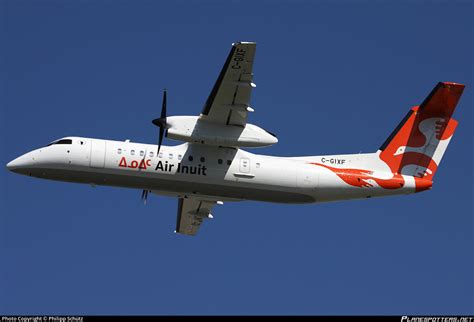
(244, 43)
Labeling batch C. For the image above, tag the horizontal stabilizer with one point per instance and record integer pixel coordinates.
(418, 143)
(442, 100)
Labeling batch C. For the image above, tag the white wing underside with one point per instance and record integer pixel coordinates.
(227, 104)
(191, 213)
(229, 100)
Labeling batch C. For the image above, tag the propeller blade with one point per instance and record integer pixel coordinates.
(161, 123)
(163, 106)
(160, 140)
(144, 196)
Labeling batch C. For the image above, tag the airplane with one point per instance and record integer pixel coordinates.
(210, 167)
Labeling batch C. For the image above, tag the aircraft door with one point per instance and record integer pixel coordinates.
(244, 165)
(97, 157)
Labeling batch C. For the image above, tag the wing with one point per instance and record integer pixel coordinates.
(191, 213)
(229, 100)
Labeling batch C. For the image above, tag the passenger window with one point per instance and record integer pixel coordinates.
(257, 164)
(190, 158)
(132, 152)
(160, 155)
(219, 161)
(82, 142)
(170, 156)
(202, 159)
(119, 151)
(142, 153)
(151, 154)
(180, 156)
(229, 162)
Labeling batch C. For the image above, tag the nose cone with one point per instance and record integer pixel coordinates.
(11, 165)
(20, 164)
(14, 165)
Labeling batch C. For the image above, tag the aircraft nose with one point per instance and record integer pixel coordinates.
(21, 163)
(15, 164)
(11, 165)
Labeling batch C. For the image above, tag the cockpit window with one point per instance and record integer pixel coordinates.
(64, 141)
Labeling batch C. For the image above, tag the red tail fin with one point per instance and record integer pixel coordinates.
(418, 143)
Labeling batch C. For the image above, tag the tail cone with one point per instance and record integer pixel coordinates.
(422, 184)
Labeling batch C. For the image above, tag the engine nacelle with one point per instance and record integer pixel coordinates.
(195, 130)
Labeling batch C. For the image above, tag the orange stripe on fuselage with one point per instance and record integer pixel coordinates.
(359, 177)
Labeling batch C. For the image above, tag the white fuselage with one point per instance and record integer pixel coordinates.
(199, 170)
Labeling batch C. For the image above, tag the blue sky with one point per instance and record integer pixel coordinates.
(332, 77)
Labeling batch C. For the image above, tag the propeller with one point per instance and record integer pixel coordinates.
(161, 123)
(144, 196)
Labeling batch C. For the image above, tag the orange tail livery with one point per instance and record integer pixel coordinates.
(411, 154)
(416, 146)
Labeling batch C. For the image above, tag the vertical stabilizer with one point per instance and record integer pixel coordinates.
(417, 145)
